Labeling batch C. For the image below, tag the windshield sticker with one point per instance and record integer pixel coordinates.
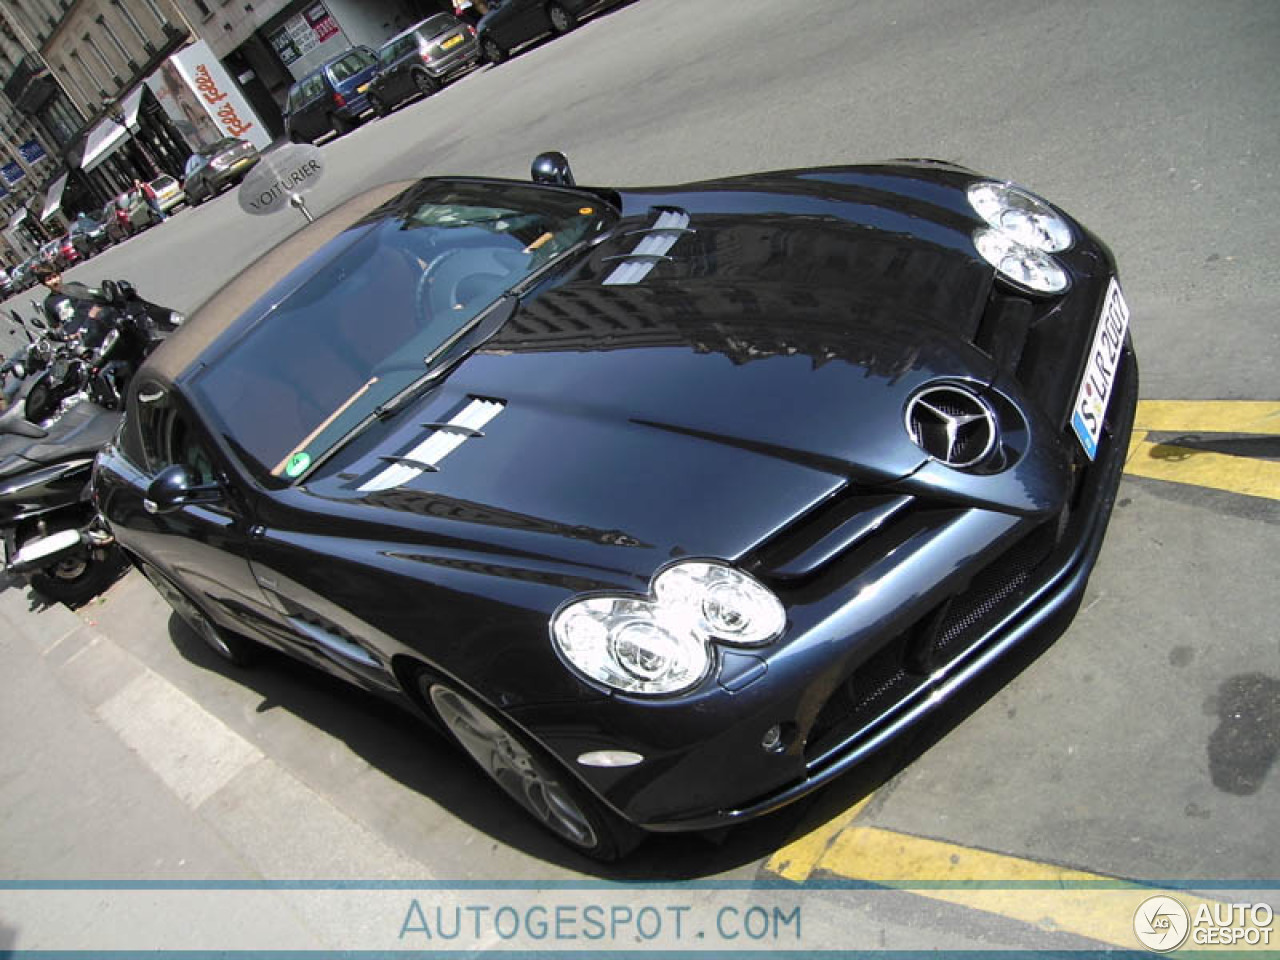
(298, 464)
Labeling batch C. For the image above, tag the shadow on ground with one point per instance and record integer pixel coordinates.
(415, 755)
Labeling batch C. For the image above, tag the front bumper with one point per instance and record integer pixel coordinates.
(838, 690)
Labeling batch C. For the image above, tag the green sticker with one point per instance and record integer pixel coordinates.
(297, 464)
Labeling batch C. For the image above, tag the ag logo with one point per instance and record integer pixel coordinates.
(1161, 924)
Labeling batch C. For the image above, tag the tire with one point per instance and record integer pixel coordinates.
(36, 403)
(379, 108)
(561, 20)
(340, 126)
(78, 579)
(493, 51)
(234, 649)
(529, 775)
(425, 83)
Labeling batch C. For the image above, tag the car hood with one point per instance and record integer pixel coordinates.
(703, 407)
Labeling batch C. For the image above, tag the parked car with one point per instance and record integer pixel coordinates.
(51, 253)
(22, 276)
(210, 171)
(333, 97)
(169, 193)
(512, 23)
(421, 60)
(670, 504)
(127, 214)
(89, 236)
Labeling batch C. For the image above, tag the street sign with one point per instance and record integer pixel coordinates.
(280, 179)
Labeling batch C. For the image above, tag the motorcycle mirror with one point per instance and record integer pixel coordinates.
(174, 488)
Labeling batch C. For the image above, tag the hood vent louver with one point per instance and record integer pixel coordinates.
(445, 438)
(657, 240)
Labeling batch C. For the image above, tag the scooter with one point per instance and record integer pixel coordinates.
(52, 533)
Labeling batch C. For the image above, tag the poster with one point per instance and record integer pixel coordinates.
(203, 101)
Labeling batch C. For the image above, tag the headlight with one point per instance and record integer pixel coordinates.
(1022, 266)
(661, 644)
(1021, 216)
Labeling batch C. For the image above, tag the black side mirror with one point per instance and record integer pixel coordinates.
(552, 168)
(173, 488)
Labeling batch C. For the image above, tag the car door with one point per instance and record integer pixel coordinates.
(201, 548)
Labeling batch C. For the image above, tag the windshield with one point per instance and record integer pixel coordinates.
(370, 320)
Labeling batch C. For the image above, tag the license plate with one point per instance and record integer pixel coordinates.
(1100, 370)
(451, 42)
(362, 88)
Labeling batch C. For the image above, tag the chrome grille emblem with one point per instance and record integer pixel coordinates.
(952, 424)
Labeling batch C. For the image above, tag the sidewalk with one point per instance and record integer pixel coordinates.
(109, 772)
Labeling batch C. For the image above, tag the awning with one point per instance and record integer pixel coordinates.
(19, 215)
(108, 136)
(53, 199)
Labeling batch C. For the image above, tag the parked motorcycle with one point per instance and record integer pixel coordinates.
(97, 358)
(52, 533)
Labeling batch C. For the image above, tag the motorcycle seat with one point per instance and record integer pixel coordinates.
(80, 432)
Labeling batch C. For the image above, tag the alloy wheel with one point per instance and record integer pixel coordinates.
(527, 778)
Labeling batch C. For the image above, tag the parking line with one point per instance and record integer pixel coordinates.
(797, 860)
(1209, 416)
(1202, 468)
(1045, 896)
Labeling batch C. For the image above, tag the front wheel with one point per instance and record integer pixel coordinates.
(562, 21)
(80, 577)
(530, 776)
(426, 84)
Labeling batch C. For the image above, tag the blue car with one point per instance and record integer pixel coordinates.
(334, 96)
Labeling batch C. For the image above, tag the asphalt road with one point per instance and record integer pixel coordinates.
(1143, 743)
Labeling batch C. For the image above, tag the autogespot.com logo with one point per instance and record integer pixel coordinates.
(1161, 924)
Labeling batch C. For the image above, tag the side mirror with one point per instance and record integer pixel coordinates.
(173, 488)
(552, 168)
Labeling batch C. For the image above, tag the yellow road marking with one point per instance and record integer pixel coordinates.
(1177, 463)
(797, 859)
(1209, 416)
(1043, 895)
(1217, 471)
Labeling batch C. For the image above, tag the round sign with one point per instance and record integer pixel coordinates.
(279, 176)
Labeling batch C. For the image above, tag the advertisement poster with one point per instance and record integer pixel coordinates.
(203, 101)
(306, 40)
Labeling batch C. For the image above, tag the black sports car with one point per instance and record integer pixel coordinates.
(669, 504)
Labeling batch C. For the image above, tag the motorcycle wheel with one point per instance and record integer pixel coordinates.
(76, 579)
(37, 402)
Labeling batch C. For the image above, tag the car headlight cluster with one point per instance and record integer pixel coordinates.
(1022, 234)
(661, 644)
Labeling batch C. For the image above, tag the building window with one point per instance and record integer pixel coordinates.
(155, 12)
(106, 28)
(84, 68)
(129, 19)
(102, 59)
(74, 84)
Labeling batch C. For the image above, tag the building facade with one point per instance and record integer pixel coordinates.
(97, 93)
